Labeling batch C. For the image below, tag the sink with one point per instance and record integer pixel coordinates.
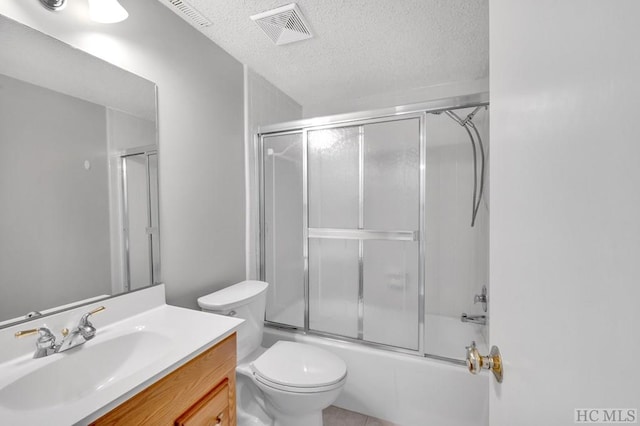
(133, 348)
(84, 370)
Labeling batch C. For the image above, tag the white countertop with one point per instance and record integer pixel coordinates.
(178, 335)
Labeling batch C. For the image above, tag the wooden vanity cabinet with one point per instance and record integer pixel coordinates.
(213, 409)
(201, 392)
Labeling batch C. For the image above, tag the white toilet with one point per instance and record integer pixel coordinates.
(288, 384)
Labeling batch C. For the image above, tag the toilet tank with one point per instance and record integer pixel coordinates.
(245, 300)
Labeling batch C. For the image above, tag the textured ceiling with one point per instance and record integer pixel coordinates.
(360, 47)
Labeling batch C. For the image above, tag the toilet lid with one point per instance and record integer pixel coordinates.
(299, 365)
(232, 296)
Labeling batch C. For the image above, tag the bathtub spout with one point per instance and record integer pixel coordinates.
(474, 319)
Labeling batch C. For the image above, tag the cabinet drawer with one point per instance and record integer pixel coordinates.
(211, 410)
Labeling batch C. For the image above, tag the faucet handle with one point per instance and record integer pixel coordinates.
(96, 310)
(481, 298)
(45, 333)
(46, 342)
(26, 332)
(86, 329)
(85, 318)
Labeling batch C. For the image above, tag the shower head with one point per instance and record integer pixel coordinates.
(471, 115)
(467, 119)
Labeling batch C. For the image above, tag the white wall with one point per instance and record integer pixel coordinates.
(54, 214)
(201, 132)
(126, 131)
(565, 203)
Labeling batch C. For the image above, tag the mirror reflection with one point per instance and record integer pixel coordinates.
(78, 176)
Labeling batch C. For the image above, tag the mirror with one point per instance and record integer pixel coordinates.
(78, 176)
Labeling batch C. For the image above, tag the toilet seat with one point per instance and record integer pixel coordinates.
(294, 389)
(300, 368)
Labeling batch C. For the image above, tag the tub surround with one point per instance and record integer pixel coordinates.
(187, 334)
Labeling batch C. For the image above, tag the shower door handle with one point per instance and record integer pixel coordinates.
(476, 362)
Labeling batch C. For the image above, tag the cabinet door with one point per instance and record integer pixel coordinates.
(211, 410)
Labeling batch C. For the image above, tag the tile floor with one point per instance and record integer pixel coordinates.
(334, 416)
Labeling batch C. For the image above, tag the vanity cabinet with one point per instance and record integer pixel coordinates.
(201, 392)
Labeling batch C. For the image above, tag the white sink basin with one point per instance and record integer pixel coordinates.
(83, 370)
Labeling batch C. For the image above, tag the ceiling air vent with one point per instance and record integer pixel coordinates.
(189, 13)
(284, 24)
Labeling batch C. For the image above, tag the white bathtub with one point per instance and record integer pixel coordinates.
(405, 389)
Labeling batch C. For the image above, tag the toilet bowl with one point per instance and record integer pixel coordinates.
(288, 384)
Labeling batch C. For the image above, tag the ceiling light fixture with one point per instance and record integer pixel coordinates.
(103, 11)
(54, 4)
(107, 11)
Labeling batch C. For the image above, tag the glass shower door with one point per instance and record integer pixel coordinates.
(283, 262)
(333, 158)
(366, 227)
(141, 237)
(363, 231)
(392, 203)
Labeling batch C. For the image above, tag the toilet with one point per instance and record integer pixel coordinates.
(288, 384)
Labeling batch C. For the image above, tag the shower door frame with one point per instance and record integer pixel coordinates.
(414, 111)
(153, 232)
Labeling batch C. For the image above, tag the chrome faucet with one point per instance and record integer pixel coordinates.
(81, 333)
(474, 319)
(46, 343)
(482, 298)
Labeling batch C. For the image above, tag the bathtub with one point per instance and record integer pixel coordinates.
(405, 389)
(447, 336)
